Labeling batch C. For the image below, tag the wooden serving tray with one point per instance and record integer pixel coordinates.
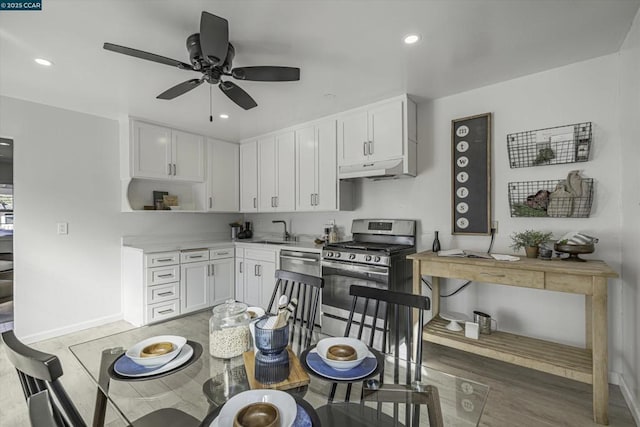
(297, 376)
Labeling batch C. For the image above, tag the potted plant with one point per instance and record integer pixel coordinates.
(529, 240)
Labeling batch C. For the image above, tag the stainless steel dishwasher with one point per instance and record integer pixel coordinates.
(301, 262)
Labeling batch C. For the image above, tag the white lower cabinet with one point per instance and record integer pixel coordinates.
(257, 269)
(162, 285)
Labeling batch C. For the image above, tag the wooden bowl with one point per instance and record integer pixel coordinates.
(574, 250)
(156, 349)
(341, 352)
(261, 414)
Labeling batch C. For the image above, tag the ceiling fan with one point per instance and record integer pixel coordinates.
(211, 54)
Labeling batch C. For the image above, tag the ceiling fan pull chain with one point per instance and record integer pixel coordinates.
(210, 105)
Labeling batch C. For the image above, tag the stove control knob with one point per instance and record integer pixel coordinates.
(377, 259)
(367, 258)
(329, 254)
(352, 256)
(337, 255)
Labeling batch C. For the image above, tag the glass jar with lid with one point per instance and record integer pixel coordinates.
(229, 334)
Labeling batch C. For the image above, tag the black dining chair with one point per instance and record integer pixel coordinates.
(395, 334)
(48, 402)
(307, 290)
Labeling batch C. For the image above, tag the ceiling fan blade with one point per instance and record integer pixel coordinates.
(267, 74)
(237, 95)
(180, 89)
(146, 55)
(214, 38)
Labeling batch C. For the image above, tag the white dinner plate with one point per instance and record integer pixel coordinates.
(128, 368)
(283, 401)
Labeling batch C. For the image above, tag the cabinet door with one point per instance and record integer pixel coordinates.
(253, 283)
(151, 151)
(286, 173)
(306, 168)
(386, 131)
(221, 281)
(267, 173)
(188, 156)
(352, 138)
(223, 177)
(239, 279)
(249, 177)
(267, 283)
(327, 176)
(194, 286)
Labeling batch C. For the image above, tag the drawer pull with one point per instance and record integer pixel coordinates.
(164, 259)
(492, 274)
(166, 311)
(165, 275)
(164, 294)
(222, 253)
(195, 256)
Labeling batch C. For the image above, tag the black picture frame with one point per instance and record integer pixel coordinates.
(471, 175)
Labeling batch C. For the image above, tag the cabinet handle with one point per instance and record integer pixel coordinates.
(492, 274)
(255, 202)
(166, 311)
(370, 147)
(317, 199)
(210, 202)
(213, 269)
(169, 169)
(164, 260)
(259, 270)
(312, 203)
(174, 170)
(364, 148)
(164, 294)
(165, 275)
(277, 201)
(194, 256)
(222, 253)
(240, 269)
(255, 270)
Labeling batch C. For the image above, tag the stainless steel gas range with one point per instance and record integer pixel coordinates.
(376, 257)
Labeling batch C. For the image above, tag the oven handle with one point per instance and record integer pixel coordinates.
(382, 271)
(295, 258)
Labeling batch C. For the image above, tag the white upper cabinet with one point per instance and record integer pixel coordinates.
(163, 153)
(354, 137)
(223, 176)
(316, 170)
(249, 177)
(276, 173)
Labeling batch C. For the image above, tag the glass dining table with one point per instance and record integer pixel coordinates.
(205, 383)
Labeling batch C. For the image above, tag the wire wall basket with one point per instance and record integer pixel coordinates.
(550, 146)
(550, 199)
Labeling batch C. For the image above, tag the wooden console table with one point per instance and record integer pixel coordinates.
(588, 365)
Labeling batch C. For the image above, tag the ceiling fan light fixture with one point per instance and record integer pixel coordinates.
(43, 62)
(411, 38)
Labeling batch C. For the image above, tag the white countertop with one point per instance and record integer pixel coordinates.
(174, 244)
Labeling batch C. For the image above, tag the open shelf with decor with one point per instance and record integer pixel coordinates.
(550, 146)
(552, 198)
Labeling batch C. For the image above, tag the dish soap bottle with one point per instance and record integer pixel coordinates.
(333, 234)
(436, 244)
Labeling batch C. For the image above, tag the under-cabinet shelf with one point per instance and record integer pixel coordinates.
(558, 359)
(550, 146)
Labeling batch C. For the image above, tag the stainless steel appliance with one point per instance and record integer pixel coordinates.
(300, 262)
(375, 257)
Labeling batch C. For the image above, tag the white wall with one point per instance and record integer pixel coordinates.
(585, 91)
(67, 169)
(630, 129)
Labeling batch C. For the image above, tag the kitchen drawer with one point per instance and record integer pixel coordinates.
(506, 276)
(160, 293)
(221, 253)
(163, 310)
(161, 258)
(160, 275)
(194, 255)
(260, 255)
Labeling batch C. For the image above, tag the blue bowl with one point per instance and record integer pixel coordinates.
(271, 340)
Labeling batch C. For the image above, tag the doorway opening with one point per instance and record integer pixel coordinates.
(6, 234)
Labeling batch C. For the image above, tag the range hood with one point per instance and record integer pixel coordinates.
(377, 170)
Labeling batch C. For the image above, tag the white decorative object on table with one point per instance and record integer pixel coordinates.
(454, 319)
(471, 330)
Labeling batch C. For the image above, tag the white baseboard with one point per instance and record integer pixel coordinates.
(45, 335)
(633, 402)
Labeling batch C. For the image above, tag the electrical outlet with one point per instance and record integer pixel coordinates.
(63, 228)
(494, 225)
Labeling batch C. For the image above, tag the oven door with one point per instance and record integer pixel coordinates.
(336, 301)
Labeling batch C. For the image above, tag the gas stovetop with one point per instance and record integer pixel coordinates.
(386, 248)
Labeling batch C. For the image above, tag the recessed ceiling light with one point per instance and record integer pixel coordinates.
(5, 143)
(44, 62)
(224, 116)
(411, 39)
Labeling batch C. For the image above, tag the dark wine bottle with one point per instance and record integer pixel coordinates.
(436, 244)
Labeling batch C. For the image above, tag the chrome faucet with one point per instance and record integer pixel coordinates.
(286, 236)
